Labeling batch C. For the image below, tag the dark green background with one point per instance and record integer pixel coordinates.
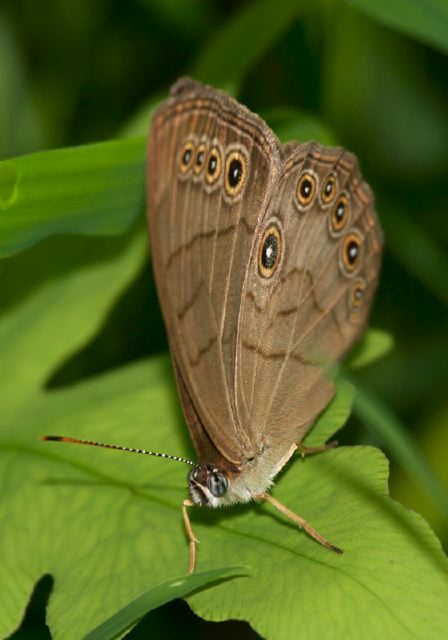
(73, 72)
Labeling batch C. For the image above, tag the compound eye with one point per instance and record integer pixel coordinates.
(217, 483)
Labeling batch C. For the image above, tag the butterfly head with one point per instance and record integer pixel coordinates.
(207, 485)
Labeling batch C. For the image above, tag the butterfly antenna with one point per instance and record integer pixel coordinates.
(92, 443)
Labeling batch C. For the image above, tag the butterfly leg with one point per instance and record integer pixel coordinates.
(305, 451)
(192, 538)
(299, 521)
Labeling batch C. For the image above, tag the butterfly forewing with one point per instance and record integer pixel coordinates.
(211, 168)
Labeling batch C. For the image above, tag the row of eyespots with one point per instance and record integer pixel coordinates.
(307, 187)
(269, 257)
(271, 249)
(199, 158)
(306, 190)
(270, 254)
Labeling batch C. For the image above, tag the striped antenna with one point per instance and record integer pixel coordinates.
(92, 443)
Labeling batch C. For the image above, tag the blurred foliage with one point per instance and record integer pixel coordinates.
(368, 75)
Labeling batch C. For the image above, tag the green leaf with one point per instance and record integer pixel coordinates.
(385, 585)
(155, 597)
(242, 41)
(94, 189)
(374, 344)
(108, 525)
(425, 20)
(333, 417)
(57, 328)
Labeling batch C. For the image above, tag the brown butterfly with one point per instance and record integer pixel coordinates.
(266, 258)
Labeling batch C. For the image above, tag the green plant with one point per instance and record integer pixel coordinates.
(108, 526)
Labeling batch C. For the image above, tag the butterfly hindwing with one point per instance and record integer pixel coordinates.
(299, 318)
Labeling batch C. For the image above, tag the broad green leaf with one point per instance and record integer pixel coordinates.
(334, 416)
(424, 20)
(107, 525)
(93, 189)
(242, 41)
(156, 596)
(373, 345)
(56, 328)
(385, 585)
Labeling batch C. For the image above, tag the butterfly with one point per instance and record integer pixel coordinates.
(266, 258)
